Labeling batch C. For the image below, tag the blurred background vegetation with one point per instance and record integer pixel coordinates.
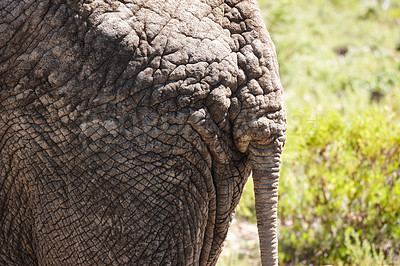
(339, 199)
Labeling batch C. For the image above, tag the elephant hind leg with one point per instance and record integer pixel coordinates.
(16, 236)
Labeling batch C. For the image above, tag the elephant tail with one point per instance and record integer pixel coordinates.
(265, 160)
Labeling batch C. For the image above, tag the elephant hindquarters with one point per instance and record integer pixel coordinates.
(103, 200)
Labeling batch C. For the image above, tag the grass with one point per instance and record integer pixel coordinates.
(340, 180)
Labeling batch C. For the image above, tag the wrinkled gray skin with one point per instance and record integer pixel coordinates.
(128, 130)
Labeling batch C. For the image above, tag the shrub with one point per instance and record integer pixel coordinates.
(342, 175)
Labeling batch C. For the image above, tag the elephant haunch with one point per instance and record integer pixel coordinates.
(128, 130)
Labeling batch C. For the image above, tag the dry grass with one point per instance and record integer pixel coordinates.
(241, 246)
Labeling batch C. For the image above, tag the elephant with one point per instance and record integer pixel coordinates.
(129, 128)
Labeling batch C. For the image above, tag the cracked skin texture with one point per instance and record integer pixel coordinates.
(125, 126)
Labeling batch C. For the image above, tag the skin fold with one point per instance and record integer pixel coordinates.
(129, 128)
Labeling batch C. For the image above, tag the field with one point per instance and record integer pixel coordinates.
(340, 180)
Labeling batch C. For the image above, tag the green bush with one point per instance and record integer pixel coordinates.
(364, 253)
(342, 175)
(246, 209)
